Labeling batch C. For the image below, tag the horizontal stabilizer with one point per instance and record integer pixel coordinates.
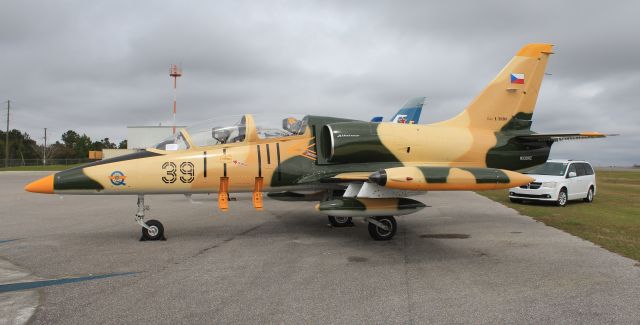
(555, 137)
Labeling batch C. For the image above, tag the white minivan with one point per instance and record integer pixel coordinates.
(558, 180)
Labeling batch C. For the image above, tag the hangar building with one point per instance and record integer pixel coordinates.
(141, 137)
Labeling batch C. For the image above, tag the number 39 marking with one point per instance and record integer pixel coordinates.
(186, 169)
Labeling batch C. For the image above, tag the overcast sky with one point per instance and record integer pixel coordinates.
(98, 66)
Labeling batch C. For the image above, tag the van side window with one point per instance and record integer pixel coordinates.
(587, 168)
(580, 169)
(572, 168)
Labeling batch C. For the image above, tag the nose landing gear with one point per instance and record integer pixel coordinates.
(152, 229)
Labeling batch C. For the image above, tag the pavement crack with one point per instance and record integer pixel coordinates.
(224, 241)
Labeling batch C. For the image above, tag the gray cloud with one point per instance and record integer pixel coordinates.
(98, 66)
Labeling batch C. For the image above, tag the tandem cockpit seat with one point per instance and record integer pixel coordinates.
(234, 129)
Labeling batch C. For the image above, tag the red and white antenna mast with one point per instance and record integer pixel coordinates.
(175, 72)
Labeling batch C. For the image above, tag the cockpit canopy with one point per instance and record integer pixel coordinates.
(234, 129)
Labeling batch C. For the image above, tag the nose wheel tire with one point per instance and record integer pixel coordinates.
(155, 231)
(379, 233)
(340, 221)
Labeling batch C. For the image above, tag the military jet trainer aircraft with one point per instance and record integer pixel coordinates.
(355, 169)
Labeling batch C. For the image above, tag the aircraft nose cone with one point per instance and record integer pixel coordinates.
(43, 185)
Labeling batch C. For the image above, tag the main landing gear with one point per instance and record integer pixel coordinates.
(340, 221)
(152, 229)
(382, 228)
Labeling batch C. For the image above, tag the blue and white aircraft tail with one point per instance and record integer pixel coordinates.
(408, 114)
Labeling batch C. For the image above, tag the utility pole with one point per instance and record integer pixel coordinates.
(44, 149)
(6, 143)
(175, 72)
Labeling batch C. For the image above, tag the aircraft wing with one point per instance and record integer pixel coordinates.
(555, 137)
(436, 178)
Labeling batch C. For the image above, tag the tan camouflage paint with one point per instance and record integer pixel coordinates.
(412, 179)
(465, 139)
(146, 175)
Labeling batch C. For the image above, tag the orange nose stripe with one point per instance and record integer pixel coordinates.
(43, 185)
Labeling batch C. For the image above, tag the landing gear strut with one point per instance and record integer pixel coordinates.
(382, 228)
(152, 229)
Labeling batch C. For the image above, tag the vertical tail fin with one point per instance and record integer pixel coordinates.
(410, 112)
(508, 102)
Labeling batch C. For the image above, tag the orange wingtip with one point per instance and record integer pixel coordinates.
(43, 185)
(533, 50)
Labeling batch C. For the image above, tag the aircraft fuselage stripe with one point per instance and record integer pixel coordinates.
(259, 162)
(205, 164)
(278, 159)
(268, 155)
(224, 165)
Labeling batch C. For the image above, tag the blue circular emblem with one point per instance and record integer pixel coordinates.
(117, 178)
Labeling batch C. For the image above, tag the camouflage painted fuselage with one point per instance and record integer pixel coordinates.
(296, 162)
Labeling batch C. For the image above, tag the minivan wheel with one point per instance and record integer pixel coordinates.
(562, 198)
(589, 197)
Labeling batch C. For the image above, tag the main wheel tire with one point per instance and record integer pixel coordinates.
(155, 231)
(380, 234)
(340, 221)
(562, 198)
(589, 197)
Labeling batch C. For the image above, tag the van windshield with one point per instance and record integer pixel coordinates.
(548, 168)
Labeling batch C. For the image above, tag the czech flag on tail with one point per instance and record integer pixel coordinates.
(517, 78)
